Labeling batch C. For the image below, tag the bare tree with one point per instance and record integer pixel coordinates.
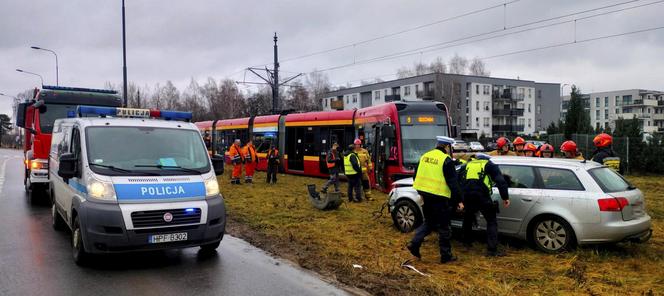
(458, 64)
(260, 102)
(478, 68)
(404, 72)
(299, 99)
(438, 66)
(317, 84)
(170, 96)
(420, 69)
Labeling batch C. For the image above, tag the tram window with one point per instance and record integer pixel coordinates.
(262, 141)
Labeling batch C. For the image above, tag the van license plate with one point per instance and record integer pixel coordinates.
(167, 238)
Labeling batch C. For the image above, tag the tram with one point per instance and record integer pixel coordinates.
(396, 135)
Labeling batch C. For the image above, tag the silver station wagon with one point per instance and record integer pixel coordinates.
(556, 204)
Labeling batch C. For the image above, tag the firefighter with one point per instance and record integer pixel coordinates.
(569, 149)
(519, 144)
(529, 150)
(478, 177)
(235, 153)
(334, 163)
(353, 172)
(436, 182)
(365, 163)
(604, 153)
(546, 151)
(502, 148)
(250, 161)
(272, 164)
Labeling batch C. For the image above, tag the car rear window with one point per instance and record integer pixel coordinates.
(559, 179)
(518, 176)
(609, 180)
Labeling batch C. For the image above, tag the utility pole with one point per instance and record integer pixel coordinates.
(124, 57)
(272, 78)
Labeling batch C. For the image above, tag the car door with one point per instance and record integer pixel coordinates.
(524, 192)
(564, 195)
(60, 145)
(75, 184)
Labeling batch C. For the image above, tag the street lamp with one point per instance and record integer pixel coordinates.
(26, 72)
(57, 79)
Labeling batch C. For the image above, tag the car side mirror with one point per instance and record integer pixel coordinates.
(67, 168)
(218, 164)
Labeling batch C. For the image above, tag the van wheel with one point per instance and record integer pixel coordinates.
(56, 220)
(81, 257)
(210, 247)
(552, 234)
(34, 194)
(406, 216)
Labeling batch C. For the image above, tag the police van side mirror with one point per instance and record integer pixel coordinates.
(218, 164)
(67, 168)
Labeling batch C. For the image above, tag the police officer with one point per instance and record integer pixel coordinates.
(604, 153)
(272, 164)
(353, 172)
(478, 177)
(436, 182)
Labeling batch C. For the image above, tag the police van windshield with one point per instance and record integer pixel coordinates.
(157, 151)
(418, 135)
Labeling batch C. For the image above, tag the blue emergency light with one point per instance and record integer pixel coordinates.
(83, 111)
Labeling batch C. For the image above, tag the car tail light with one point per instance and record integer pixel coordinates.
(612, 204)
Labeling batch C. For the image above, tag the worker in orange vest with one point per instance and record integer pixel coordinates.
(235, 153)
(250, 161)
(272, 164)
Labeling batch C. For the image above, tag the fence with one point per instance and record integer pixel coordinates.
(585, 144)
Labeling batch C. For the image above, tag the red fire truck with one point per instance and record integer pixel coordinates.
(37, 116)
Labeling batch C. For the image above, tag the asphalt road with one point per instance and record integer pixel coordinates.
(37, 260)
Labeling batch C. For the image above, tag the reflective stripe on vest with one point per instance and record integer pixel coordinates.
(476, 167)
(430, 176)
(348, 167)
(612, 162)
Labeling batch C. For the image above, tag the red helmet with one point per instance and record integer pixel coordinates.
(546, 148)
(519, 141)
(357, 142)
(502, 141)
(568, 146)
(602, 140)
(530, 147)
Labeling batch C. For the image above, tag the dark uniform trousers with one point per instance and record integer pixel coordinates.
(355, 184)
(436, 217)
(272, 169)
(474, 202)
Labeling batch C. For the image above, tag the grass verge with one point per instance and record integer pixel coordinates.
(279, 219)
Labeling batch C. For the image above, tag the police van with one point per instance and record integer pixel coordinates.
(133, 179)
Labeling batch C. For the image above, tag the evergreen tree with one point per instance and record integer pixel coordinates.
(577, 120)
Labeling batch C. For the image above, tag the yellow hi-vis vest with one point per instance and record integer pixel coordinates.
(475, 168)
(430, 176)
(348, 167)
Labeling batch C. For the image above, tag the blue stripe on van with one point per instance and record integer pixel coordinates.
(77, 186)
(159, 191)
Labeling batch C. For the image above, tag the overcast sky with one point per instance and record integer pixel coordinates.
(181, 40)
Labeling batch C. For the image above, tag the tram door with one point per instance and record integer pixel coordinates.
(295, 148)
(383, 134)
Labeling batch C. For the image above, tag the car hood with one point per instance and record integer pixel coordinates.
(404, 182)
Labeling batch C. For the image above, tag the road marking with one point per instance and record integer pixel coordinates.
(2, 174)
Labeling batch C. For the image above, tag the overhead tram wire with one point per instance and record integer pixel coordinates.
(380, 37)
(562, 44)
(437, 46)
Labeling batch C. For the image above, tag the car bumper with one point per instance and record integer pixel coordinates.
(636, 230)
(38, 176)
(105, 232)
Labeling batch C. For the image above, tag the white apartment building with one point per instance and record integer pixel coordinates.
(646, 105)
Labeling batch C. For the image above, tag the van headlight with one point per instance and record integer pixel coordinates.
(211, 187)
(101, 190)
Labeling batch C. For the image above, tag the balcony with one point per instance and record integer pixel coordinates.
(392, 98)
(337, 104)
(660, 129)
(507, 112)
(425, 94)
(507, 128)
(504, 96)
(658, 116)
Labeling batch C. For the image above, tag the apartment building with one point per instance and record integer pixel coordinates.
(478, 105)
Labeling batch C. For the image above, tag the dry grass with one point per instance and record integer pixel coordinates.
(280, 219)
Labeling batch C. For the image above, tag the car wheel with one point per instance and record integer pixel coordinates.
(56, 220)
(210, 247)
(552, 234)
(81, 257)
(406, 216)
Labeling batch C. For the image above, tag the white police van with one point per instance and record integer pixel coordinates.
(133, 179)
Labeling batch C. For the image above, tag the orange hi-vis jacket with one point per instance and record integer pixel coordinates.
(235, 153)
(249, 154)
